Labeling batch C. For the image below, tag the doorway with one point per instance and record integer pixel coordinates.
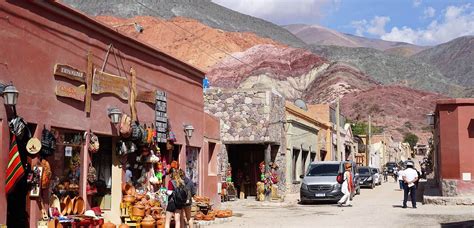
(244, 160)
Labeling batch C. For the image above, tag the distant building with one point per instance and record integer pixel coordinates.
(454, 146)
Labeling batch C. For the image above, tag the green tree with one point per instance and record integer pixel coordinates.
(411, 139)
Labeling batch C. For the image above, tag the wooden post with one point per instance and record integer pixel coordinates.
(89, 74)
(267, 158)
(133, 95)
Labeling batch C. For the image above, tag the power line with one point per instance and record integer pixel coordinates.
(185, 30)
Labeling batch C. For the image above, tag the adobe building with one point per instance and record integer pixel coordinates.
(454, 145)
(56, 58)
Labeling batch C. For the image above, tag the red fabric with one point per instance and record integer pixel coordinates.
(170, 185)
(15, 169)
(350, 184)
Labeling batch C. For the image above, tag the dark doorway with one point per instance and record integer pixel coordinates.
(244, 160)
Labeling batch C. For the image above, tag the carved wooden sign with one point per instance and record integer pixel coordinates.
(146, 96)
(109, 83)
(69, 72)
(76, 93)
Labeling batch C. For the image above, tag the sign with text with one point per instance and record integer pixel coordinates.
(76, 93)
(69, 72)
(109, 83)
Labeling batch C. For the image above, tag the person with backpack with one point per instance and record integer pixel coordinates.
(347, 187)
(176, 200)
(191, 192)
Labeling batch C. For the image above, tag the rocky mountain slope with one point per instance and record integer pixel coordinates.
(391, 69)
(455, 59)
(204, 11)
(398, 109)
(289, 70)
(200, 45)
(319, 35)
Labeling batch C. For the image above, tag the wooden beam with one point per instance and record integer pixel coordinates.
(89, 73)
(133, 95)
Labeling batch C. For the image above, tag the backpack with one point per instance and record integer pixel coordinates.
(340, 178)
(48, 143)
(125, 126)
(180, 195)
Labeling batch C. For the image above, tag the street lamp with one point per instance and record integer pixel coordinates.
(188, 129)
(115, 115)
(10, 95)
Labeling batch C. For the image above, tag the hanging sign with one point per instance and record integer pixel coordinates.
(109, 83)
(161, 117)
(69, 72)
(76, 93)
(146, 96)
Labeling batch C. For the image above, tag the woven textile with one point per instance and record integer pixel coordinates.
(15, 169)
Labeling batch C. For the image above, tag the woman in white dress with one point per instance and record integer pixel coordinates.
(347, 187)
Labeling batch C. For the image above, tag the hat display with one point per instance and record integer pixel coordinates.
(90, 213)
(33, 146)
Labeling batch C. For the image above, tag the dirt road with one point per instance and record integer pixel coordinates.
(379, 207)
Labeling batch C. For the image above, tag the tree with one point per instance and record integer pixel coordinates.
(411, 139)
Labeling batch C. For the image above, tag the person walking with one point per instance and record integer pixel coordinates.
(400, 178)
(347, 187)
(174, 208)
(410, 177)
(385, 174)
(191, 190)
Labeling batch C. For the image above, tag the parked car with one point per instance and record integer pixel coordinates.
(390, 167)
(377, 176)
(366, 177)
(320, 184)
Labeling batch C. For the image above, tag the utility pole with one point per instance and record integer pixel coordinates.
(338, 132)
(369, 139)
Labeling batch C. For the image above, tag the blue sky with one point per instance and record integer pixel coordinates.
(423, 22)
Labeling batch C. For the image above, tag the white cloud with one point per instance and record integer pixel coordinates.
(417, 3)
(456, 21)
(376, 26)
(282, 11)
(429, 12)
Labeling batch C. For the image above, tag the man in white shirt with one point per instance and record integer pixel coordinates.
(410, 176)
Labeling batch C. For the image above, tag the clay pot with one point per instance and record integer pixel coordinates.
(208, 218)
(138, 210)
(79, 206)
(148, 222)
(123, 225)
(156, 212)
(221, 214)
(108, 225)
(128, 189)
(199, 216)
(139, 196)
(128, 198)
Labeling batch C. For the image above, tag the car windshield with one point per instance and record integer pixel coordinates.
(375, 171)
(363, 171)
(323, 170)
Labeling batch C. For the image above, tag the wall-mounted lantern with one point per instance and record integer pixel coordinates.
(115, 115)
(10, 95)
(188, 129)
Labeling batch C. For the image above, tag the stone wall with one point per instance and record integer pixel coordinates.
(248, 115)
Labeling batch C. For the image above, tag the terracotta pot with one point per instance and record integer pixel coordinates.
(156, 212)
(228, 213)
(139, 196)
(160, 223)
(148, 222)
(208, 218)
(108, 225)
(123, 225)
(199, 216)
(128, 198)
(138, 210)
(79, 206)
(128, 189)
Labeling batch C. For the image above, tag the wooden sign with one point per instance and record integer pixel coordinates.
(109, 83)
(69, 72)
(146, 96)
(76, 93)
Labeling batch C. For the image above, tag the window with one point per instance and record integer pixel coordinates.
(296, 153)
(303, 161)
(313, 157)
(323, 170)
(323, 153)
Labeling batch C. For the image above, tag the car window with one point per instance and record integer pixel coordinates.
(363, 171)
(323, 170)
(375, 171)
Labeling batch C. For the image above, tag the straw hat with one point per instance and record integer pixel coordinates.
(54, 202)
(90, 213)
(33, 146)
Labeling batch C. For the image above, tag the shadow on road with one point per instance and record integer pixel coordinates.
(463, 224)
(397, 206)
